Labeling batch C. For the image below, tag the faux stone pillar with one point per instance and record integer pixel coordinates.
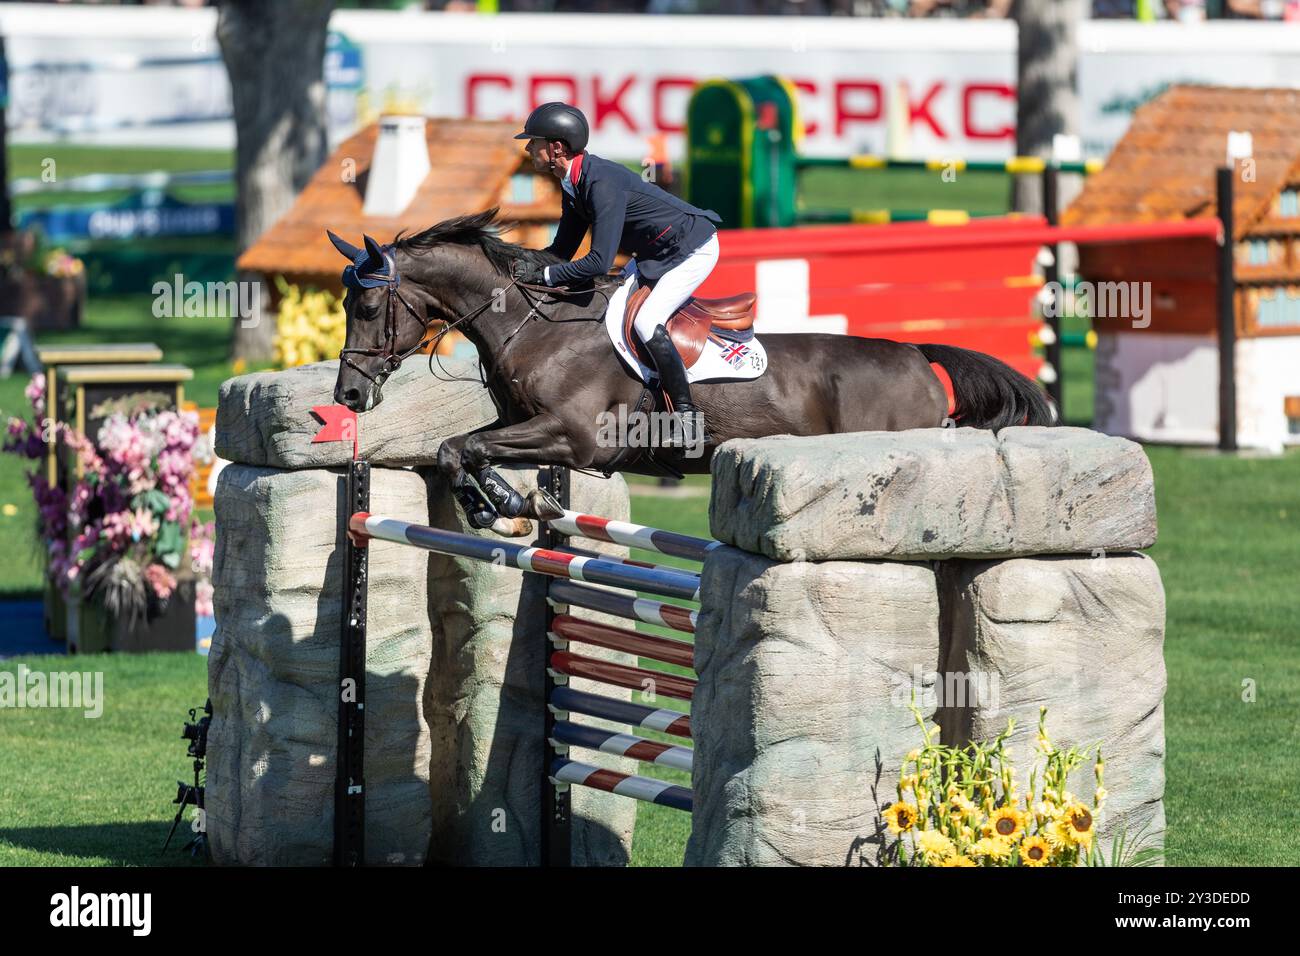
(1083, 637)
(802, 710)
(274, 664)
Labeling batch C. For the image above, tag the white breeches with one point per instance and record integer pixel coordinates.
(673, 288)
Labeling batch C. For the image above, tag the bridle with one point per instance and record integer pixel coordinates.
(392, 279)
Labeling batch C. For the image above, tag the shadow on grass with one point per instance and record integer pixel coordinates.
(105, 844)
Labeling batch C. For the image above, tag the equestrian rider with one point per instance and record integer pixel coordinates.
(674, 244)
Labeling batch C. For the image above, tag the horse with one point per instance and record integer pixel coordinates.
(552, 371)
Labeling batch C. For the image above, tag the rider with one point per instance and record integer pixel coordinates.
(675, 245)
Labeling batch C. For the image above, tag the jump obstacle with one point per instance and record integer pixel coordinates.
(566, 566)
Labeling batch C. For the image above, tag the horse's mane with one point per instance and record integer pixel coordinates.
(478, 229)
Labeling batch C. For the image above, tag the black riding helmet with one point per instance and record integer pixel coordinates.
(560, 121)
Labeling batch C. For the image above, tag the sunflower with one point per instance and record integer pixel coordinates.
(995, 848)
(1077, 821)
(1057, 833)
(959, 861)
(1006, 822)
(901, 817)
(935, 845)
(1034, 851)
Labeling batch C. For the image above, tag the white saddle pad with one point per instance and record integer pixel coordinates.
(721, 361)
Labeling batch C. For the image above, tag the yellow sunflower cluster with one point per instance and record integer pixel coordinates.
(961, 806)
(310, 325)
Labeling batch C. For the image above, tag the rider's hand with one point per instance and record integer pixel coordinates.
(527, 273)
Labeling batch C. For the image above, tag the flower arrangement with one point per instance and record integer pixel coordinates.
(31, 254)
(310, 325)
(962, 806)
(120, 533)
(63, 265)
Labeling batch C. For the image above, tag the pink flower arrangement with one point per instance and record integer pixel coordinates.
(62, 264)
(123, 525)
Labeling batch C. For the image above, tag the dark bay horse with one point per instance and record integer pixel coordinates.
(549, 364)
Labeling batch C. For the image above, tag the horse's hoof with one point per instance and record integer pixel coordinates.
(482, 519)
(543, 506)
(513, 527)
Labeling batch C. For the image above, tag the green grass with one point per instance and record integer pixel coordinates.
(1227, 553)
(984, 193)
(78, 791)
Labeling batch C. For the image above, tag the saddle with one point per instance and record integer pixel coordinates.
(691, 324)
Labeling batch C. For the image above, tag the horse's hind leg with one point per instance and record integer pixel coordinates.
(542, 440)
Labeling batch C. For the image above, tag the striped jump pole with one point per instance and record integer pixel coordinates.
(632, 535)
(624, 784)
(630, 562)
(573, 629)
(567, 700)
(622, 745)
(540, 560)
(623, 605)
(621, 675)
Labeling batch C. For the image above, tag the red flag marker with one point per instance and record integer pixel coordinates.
(340, 424)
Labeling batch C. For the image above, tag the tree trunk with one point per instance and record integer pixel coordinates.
(275, 54)
(1047, 100)
(6, 209)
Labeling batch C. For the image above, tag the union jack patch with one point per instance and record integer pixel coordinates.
(734, 354)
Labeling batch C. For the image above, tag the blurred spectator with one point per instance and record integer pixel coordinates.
(960, 8)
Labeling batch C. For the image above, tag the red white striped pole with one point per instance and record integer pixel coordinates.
(634, 535)
(623, 784)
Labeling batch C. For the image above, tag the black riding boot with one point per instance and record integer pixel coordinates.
(672, 378)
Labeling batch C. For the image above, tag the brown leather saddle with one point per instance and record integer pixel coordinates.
(690, 325)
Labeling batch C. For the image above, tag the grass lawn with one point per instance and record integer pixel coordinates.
(97, 791)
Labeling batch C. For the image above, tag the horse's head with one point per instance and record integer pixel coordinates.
(457, 271)
(386, 321)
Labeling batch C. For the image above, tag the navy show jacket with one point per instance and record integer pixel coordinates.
(624, 212)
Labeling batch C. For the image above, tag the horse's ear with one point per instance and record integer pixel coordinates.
(349, 251)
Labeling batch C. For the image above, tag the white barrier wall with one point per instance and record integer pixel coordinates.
(1165, 388)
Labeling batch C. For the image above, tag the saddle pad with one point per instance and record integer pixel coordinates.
(722, 360)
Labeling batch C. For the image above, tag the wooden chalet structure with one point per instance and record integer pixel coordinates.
(1159, 382)
(473, 165)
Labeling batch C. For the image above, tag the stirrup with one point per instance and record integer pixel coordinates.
(690, 431)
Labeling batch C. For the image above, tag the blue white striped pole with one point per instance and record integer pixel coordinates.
(558, 564)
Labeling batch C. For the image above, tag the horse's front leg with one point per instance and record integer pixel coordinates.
(477, 509)
(542, 440)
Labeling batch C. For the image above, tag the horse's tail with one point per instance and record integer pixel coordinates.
(989, 393)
